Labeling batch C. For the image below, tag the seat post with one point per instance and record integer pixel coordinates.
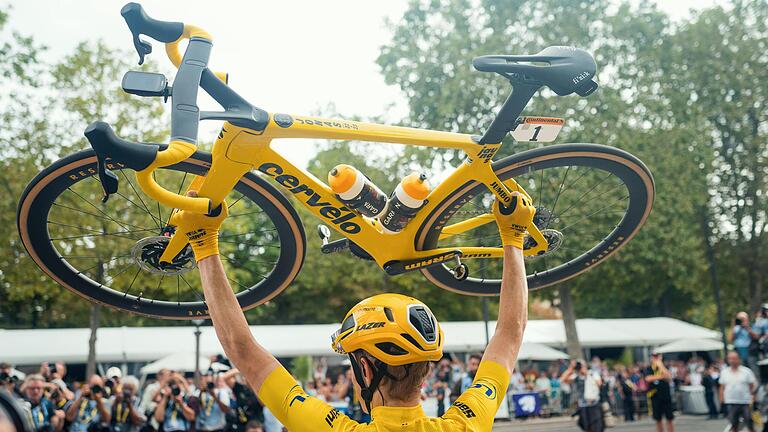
(507, 117)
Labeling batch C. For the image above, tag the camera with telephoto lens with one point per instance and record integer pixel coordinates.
(737, 321)
(175, 390)
(210, 386)
(578, 366)
(97, 389)
(127, 395)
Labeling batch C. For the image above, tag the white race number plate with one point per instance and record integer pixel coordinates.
(538, 129)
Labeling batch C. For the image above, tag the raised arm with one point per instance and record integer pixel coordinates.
(513, 222)
(232, 329)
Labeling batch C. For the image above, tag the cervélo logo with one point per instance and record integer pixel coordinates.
(339, 216)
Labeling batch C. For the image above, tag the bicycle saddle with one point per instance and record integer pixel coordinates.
(563, 69)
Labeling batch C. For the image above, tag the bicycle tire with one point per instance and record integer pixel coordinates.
(41, 193)
(634, 174)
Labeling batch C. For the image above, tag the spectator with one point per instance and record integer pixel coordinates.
(586, 386)
(173, 412)
(627, 392)
(91, 408)
(469, 375)
(658, 378)
(43, 413)
(710, 380)
(737, 387)
(543, 387)
(112, 383)
(55, 372)
(213, 399)
(254, 426)
(126, 416)
(149, 398)
(743, 338)
(247, 405)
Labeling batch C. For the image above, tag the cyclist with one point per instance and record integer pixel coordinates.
(390, 340)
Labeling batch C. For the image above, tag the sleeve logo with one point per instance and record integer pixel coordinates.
(488, 390)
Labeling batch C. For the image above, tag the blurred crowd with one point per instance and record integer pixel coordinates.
(221, 400)
(171, 401)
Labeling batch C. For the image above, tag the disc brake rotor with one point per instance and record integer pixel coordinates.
(147, 252)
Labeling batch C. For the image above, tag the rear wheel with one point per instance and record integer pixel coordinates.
(590, 199)
(109, 252)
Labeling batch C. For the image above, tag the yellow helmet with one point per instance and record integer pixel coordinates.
(393, 328)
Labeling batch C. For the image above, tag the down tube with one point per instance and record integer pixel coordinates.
(317, 197)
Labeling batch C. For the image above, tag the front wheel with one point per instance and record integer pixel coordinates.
(590, 201)
(109, 252)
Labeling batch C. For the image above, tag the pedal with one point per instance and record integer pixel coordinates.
(329, 247)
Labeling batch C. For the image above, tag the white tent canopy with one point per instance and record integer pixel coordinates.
(690, 345)
(535, 351)
(147, 344)
(180, 361)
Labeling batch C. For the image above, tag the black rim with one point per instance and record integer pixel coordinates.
(570, 184)
(258, 242)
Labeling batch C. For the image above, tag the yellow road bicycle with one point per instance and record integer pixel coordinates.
(121, 252)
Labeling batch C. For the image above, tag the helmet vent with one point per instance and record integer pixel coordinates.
(423, 321)
(391, 349)
(388, 313)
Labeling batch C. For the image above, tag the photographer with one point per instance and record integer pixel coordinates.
(248, 407)
(586, 386)
(54, 373)
(112, 385)
(213, 399)
(173, 412)
(744, 339)
(44, 415)
(125, 414)
(7, 380)
(91, 410)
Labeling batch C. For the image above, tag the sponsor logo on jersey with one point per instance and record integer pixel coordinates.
(465, 409)
(332, 415)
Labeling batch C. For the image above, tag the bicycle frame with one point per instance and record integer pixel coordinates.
(238, 150)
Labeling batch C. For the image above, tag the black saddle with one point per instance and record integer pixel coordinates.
(565, 70)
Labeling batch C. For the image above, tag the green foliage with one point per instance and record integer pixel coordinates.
(687, 97)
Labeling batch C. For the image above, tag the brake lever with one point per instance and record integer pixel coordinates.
(143, 47)
(109, 180)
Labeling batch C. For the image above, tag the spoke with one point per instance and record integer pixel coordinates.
(595, 212)
(244, 214)
(98, 209)
(236, 201)
(541, 184)
(112, 278)
(194, 290)
(138, 195)
(602, 194)
(159, 212)
(95, 215)
(557, 197)
(578, 200)
(102, 263)
(249, 244)
(181, 186)
(136, 275)
(248, 269)
(116, 234)
(246, 233)
(154, 218)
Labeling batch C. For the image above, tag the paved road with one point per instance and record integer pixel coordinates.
(682, 424)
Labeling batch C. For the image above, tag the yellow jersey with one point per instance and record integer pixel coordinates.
(474, 410)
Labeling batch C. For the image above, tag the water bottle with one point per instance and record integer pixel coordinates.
(405, 201)
(356, 191)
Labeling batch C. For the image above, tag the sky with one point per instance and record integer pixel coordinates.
(292, 56)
